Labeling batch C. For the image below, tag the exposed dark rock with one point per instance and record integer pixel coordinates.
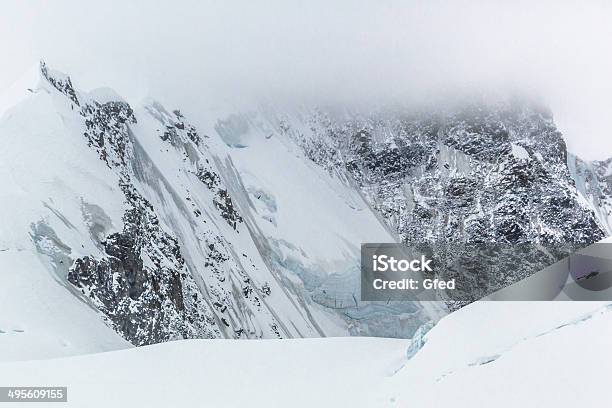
(147, 302)
(478, 174)
(107, 130)
(61, 82)
(224, 204)
(208, 177)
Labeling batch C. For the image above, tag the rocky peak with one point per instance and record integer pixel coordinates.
(478, 174)
(59, 81)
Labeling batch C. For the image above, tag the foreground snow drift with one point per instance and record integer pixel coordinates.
(39, 320)
(222, 373)
(487, 354)
(514, 354)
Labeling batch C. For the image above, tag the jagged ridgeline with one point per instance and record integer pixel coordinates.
(471, 176)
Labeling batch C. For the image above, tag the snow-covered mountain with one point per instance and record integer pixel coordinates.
(136, 215)
(462, 178)
(129, 223)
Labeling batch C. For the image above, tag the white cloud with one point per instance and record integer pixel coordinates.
(197, 53)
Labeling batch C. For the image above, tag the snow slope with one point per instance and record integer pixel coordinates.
(494, 354)
(19, 90)
(325, 215)
(511, 354)
(267, 373)
(47, 177)
(38, 320)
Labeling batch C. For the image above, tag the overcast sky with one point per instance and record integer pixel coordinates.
(196, 54)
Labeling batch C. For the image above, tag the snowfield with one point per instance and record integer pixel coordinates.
(335, 372)
(511, 354)
(494, 354)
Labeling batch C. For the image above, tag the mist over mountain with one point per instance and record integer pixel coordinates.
(320, 53)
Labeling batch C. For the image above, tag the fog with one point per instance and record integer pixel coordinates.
(203, 54)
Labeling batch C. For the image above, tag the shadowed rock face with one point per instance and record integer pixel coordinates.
(106, 126)
(145, 303)
(476, 174)
(457, 175)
